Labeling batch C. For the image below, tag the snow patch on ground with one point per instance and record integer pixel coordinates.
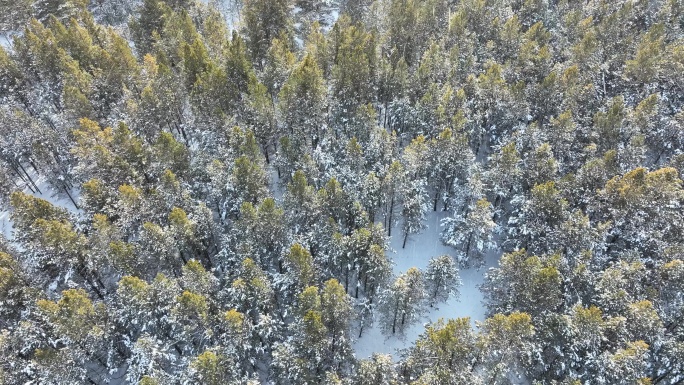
(6, 225)
(419, 249)
(6, 39)
(277, 186)
(57, 198)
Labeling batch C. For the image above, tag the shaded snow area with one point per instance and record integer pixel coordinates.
(5, 224)
(6, 39)
(277, 187)
(418, 252)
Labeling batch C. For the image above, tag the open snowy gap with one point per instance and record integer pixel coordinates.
(418, 252)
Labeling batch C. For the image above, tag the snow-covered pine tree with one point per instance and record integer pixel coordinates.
(471, 233)
(442, 279)
(403, 302)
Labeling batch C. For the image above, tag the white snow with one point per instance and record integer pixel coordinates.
(277, 187)
(6, 39)
(6, 225)
(419, 249)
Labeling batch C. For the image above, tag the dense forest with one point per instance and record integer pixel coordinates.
(201, 192)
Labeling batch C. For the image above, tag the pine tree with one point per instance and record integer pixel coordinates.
(335, 203)
(414, 208)
(645, 66)
(638, 194)
(627, 365)
(451, 157)
(108, 155)
(376, 370)
(444, 353)
(252, 291)
(302, 104)
(353, 69)
(301, 361)
(541, 216)
(371, 195)
(301, 203)
(280, 61)
(403, 302)
(299, 265)
(261, 118)
(541, 166)
(248, 181)
(337, 315)
(375, 269)
(79, 323)
(261, 232)
(442, 280)
(264, 21)
(536, 292)
(504, 174)
(509, 342)
(15, 293)
(237, 340)
(146, 29)
(471, 233)
(211, 368)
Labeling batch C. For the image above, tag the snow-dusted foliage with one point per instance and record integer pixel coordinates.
(255, 191)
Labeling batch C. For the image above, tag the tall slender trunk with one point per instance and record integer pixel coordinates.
(436, 199)
(389, 221)
(33, 165)
(434, 295)
(82, 271)
(394, 320)
(66, 190)
(29, 178)
(346, 279)
(22, 177)
(467, 249)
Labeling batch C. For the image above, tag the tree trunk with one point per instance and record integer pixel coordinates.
(268, 159)
(434, 206)
(66, 190)
(346, 278)
(434, 295)
(389, 221)
(394, 320)
(29, 178)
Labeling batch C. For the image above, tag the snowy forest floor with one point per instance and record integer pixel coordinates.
(419, 249)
